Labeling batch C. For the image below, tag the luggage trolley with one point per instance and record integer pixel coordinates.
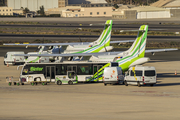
(10, 80)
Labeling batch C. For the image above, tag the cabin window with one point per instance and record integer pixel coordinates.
(61, 69)
(150, 73)
(136, 73)
(84, 69)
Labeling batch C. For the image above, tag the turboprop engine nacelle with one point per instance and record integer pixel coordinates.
(140, 61)
(108, 48)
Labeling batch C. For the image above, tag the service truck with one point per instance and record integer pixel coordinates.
(10, 59)
(113, 75)
(140, 75)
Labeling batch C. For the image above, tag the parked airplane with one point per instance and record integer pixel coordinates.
(102, 44)
(133, 56)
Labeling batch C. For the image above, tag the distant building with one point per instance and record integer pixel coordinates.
(62, 3)
(32, 5)
(6, 11)
(88, 12)
(79, 11)
(173, 5)
(86, 1)
(18, 12)
(142, 12)
(168, 4)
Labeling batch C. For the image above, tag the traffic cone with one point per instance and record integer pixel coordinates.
(175, 72)
(7, 64)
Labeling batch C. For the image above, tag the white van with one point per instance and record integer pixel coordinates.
(36, 59)
(113, 75)
(140, 75)
(10, 59)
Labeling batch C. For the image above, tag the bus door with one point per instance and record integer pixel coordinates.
(96, 69)
(50, 73)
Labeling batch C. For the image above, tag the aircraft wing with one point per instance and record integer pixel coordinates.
(48, 44)
(69, 55)
(160, 50)
(124, 41)
(61, 44)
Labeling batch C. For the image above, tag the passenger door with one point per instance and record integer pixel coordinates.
(50, 73)
(96, 69)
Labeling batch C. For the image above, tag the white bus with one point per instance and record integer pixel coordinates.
(63, 73)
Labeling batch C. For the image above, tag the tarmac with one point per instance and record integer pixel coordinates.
(93, 100)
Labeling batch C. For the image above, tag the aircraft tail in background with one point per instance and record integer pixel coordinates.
(138, 47)
(105, 36)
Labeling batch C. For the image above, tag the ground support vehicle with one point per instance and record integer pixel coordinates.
(140, 75)
(61, 73)
(11, 81)
(70, 79)
(113, 75)
(10, 59)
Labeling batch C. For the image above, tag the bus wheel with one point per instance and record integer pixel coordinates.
(139, 85)
(14, 83)
(59, 82)
(9, 83)
(70, 82)
(125, 82)
(22, 83)
(4, 63)
(105, 84)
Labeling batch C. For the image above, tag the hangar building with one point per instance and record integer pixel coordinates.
(32, 5)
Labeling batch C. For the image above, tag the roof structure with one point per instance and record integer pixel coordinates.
(86, 1)
(166, 3)
(148, 8)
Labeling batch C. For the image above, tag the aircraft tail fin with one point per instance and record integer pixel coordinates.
(139, 45)
(105, 36)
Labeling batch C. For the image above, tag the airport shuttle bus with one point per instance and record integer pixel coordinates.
(62, 73)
